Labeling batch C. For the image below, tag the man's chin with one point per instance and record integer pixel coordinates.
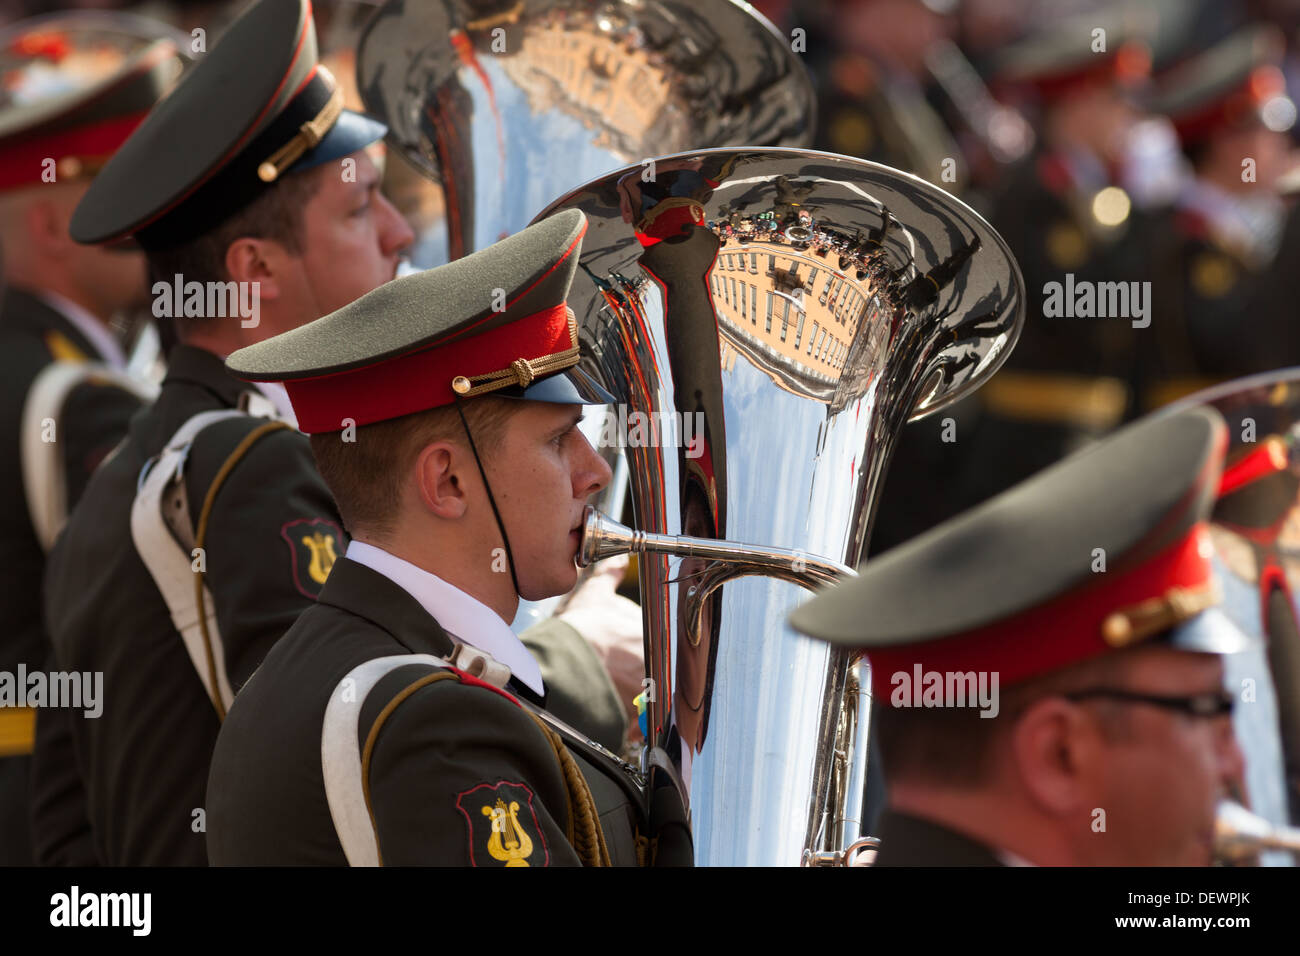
(553, 588)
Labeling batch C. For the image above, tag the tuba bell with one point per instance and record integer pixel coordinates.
(507, 104)
(768, 320)
(1255, 529)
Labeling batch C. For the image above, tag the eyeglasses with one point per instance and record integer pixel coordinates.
(1210, 704)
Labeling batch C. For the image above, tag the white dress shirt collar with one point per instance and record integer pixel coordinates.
(98, 334)
(465, 618)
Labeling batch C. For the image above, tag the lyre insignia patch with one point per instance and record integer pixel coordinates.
(503, 827)
(314, 546)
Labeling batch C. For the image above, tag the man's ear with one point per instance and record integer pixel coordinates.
(46, 224)
(1056, 749)
(441, 489)
(256, 260)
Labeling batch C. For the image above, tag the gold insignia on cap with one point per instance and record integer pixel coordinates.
(1128, 625)
(309, 133)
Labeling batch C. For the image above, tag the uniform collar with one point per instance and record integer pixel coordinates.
(355, 588)
(906, 840)
(94, 331)
(278, 396)
(465, 618)
(196, 366)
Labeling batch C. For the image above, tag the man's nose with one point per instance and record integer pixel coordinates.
(594, 472)
(397, 235)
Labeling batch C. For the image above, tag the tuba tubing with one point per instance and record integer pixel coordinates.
(1240, 835)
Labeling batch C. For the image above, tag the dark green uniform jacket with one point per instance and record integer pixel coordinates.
(94, 419)
(140, 770)
(456, 773)
(906, 840)
(143, 763)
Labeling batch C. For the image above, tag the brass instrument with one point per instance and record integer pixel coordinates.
(770, 319)
(502, 106)
(506, 104)
(1255, 528)
(1240, 836)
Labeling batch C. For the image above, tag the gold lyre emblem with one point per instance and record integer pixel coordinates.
(322, 555)
(508, 842)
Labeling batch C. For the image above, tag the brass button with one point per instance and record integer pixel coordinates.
(460, 385)
(69, 167)
(1117, 630)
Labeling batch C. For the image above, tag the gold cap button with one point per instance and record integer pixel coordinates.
(1117, 630)
(460, 385)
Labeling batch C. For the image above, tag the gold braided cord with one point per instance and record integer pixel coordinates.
(201, 535)
(1136, 622)
(584, 822)
(523, 371)
(308, 136)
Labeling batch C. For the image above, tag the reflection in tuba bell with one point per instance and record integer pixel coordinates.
(771, 318)
(508, 103)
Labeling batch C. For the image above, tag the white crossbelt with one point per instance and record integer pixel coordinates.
(45, 483)
(163, 533)
(340, 748)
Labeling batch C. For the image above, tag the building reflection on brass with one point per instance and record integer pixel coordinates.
(801, 307)
(508, 104)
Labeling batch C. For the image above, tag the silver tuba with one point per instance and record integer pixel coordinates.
(769, 319)
(1255, 528)
(1241, 836)
(506, 104)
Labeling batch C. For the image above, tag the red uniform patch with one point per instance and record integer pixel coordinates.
(503, 827)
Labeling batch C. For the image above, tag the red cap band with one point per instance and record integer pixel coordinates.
(1239, 103)
(422, 379)
(24, 163)
(1056, 634)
